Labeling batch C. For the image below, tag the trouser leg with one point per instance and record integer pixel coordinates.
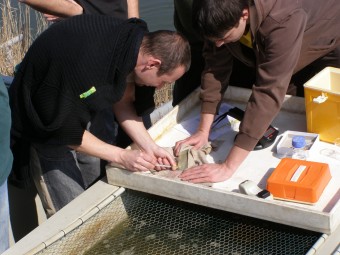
(92, 169)
(104, 127)
(56, 175)
(4, 218)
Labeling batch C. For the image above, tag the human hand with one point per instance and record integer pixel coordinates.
(197, 140)
(207, 173)
(164, 158)
(136, 161)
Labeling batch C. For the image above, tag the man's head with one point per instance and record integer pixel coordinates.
(221, 21)
(164, 57)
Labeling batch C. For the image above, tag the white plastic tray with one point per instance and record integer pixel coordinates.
(324, 216)
(284, 147)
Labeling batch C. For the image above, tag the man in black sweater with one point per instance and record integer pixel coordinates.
(74, 70)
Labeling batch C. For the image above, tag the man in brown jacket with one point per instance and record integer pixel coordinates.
(278, 38)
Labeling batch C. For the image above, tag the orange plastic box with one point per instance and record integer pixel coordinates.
(299, 180)
(322, 99)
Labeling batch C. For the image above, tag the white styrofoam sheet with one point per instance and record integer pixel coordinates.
(324, 216)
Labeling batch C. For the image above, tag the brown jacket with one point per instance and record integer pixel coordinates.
(288, 35)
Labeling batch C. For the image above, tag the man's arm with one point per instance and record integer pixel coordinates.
(215, 76)
(133, 8)
(133, 160)
(60, 8)
(216, 172)
(201, 136)
(133, 125)
(215, 79)
(275, 66)
(130, 122)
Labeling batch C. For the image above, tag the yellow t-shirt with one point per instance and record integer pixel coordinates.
(247, 40)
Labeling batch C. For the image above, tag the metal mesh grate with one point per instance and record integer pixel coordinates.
(139, 223)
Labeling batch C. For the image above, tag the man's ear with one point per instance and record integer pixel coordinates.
(245, 13)
(153, 63)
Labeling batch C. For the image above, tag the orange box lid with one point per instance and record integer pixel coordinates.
(299, 180)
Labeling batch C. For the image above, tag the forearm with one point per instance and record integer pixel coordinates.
(215, 76)
(205, 123)
(133, 8)
(235, 158)
(61, 8)
(93, 146)
(236, 155)
(138, 133)
(216, 172)
(133, 125)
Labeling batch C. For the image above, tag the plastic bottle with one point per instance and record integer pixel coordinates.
(299, 150)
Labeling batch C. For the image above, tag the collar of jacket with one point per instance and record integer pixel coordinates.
(258, 11)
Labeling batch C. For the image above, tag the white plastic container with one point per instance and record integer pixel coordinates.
(285, 149)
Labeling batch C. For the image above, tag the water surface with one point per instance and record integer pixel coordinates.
(157, 13)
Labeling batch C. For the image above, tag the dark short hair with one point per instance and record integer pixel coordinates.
(213, 18)
(172, 48)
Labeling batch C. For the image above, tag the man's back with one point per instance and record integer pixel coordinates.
(67, 60)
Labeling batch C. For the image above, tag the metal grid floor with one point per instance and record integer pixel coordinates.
(139, 223)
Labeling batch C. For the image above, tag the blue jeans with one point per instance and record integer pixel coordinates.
(4, 218)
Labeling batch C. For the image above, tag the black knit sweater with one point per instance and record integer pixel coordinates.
(65, 61)
(116, 8)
